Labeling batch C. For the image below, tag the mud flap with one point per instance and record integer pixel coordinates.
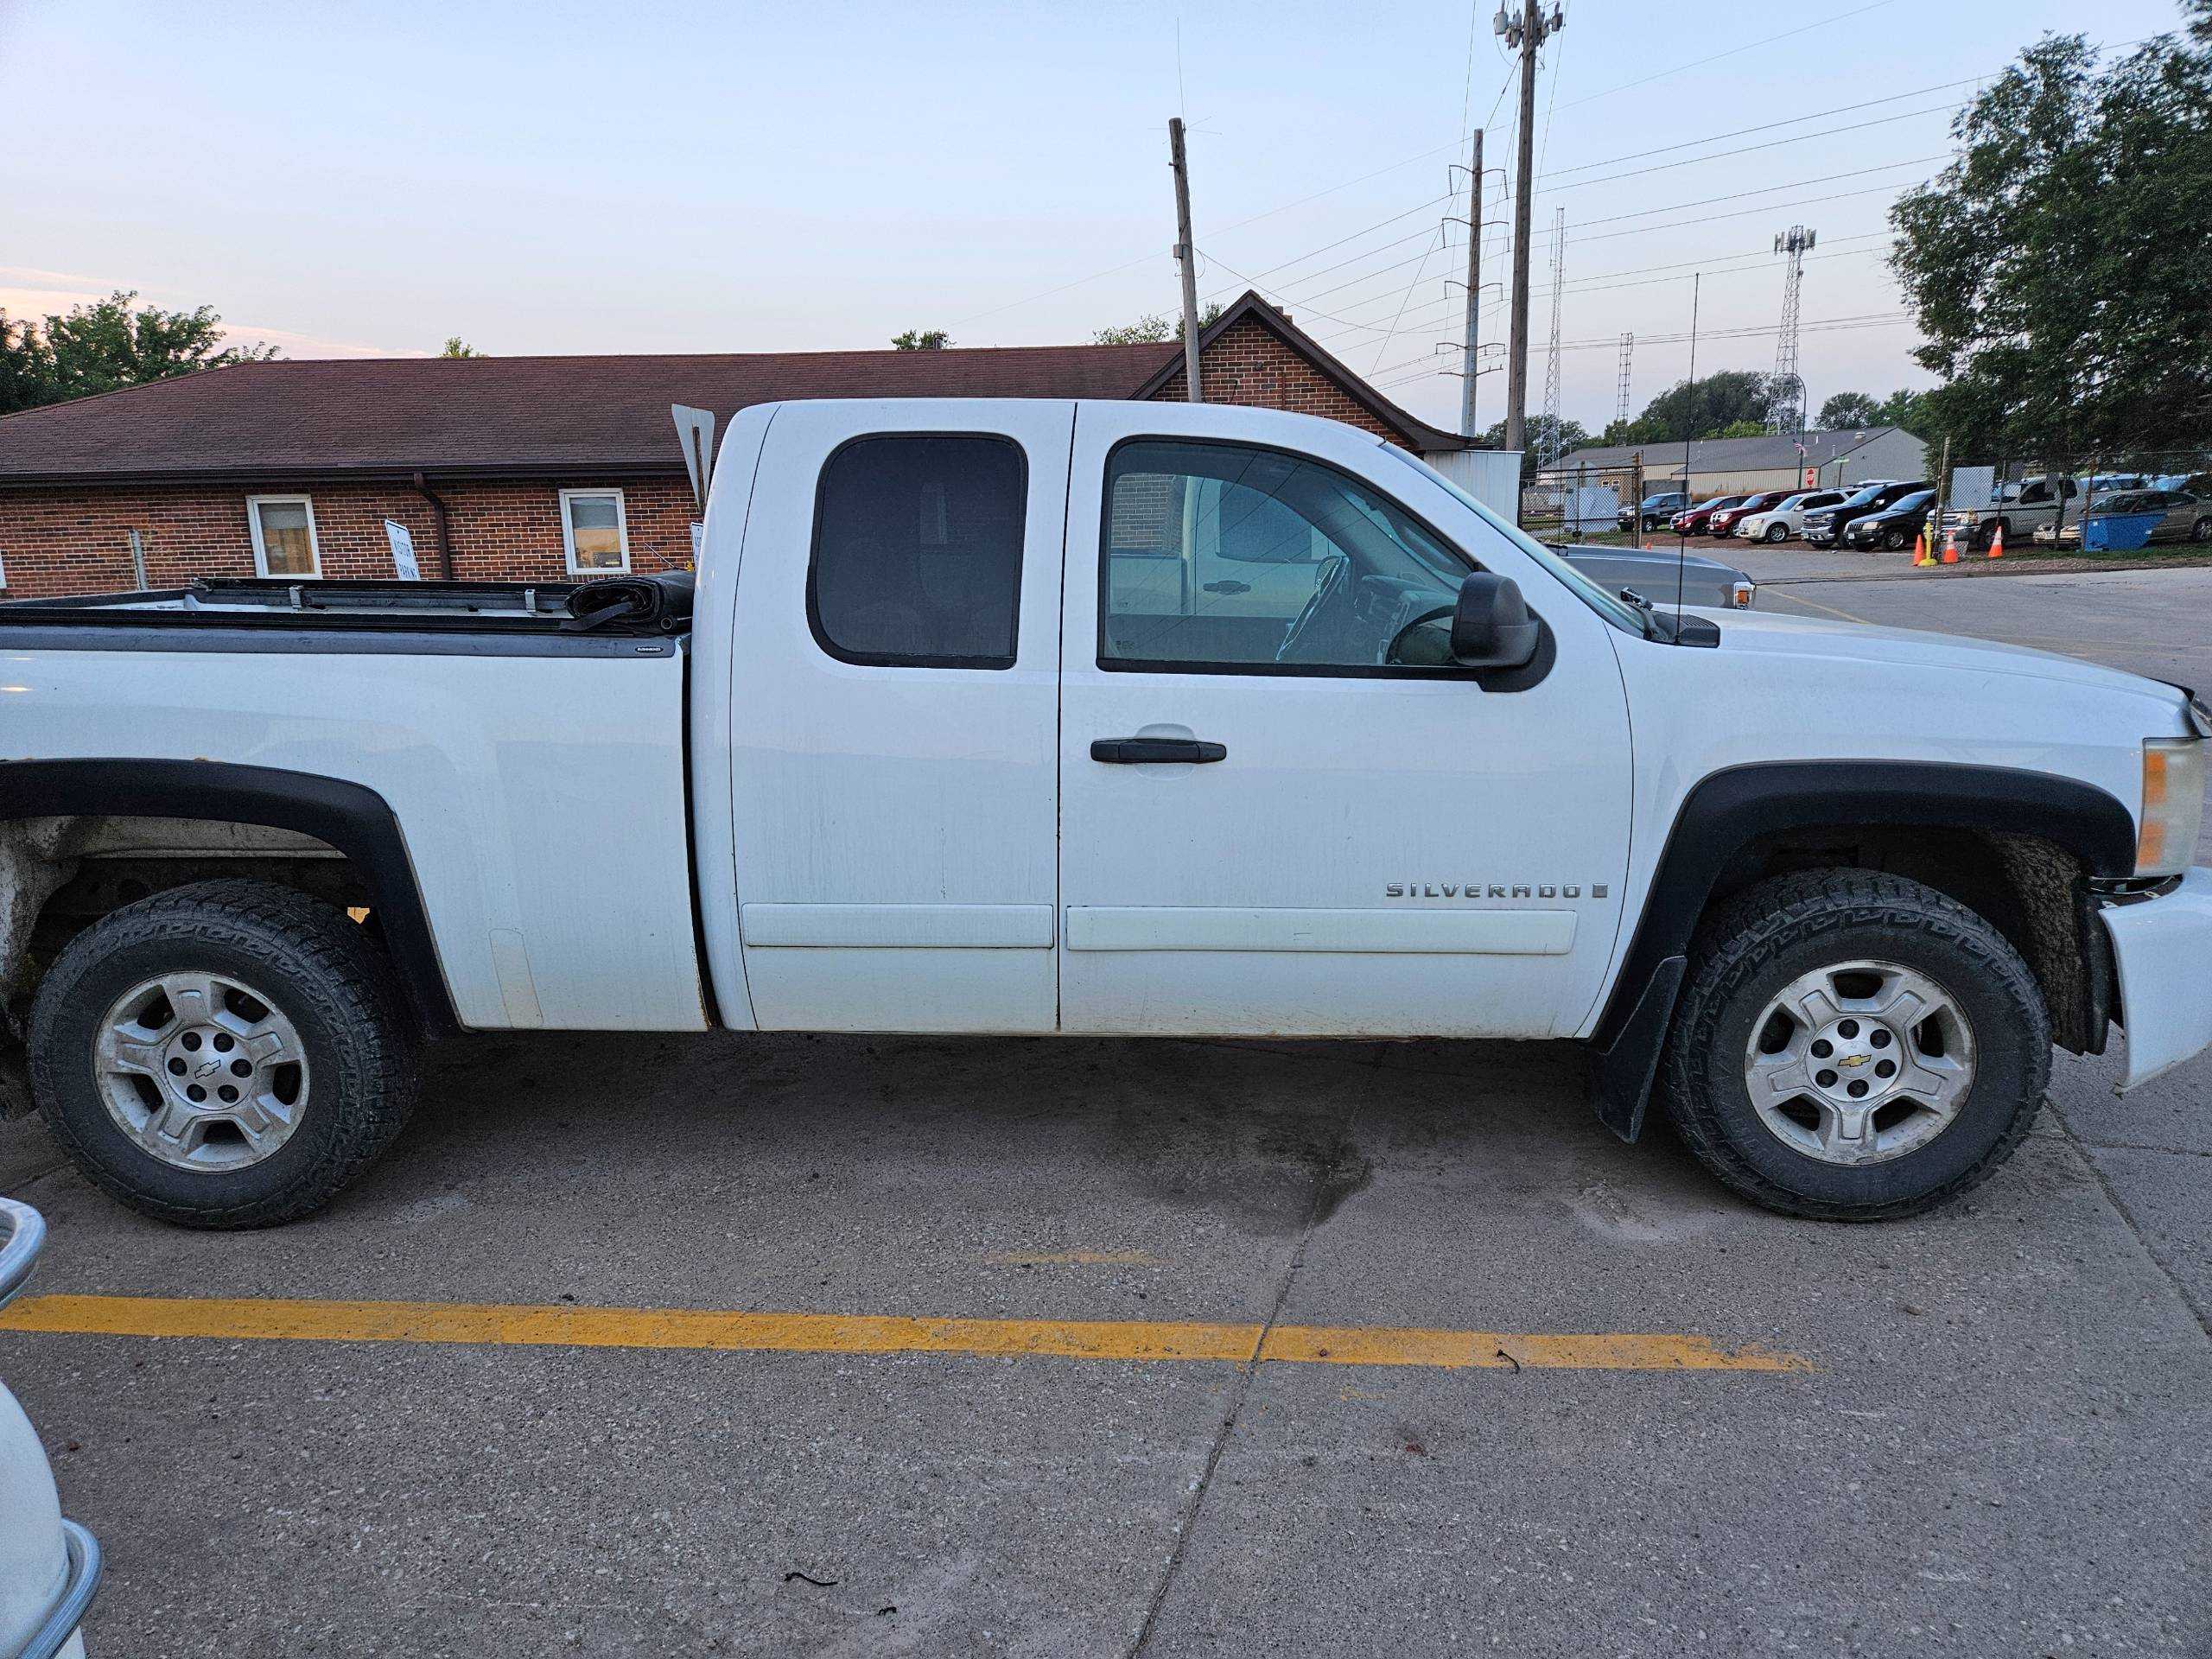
(1621, 1072)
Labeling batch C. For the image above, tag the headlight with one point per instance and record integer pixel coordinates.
(2173, 805)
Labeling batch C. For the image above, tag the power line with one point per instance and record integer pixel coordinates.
(1732, 51)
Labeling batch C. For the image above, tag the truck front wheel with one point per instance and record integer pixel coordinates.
(226, 1054)
(1854, 1047)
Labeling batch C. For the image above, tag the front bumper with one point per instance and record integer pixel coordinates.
(2160, 945)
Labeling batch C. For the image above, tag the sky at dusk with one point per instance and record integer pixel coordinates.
(565, 178)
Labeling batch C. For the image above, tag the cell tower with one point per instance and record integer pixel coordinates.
(1620, 400)
(1789, 411)
(1547, 454)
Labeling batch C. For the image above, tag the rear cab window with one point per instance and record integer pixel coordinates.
(918, 546)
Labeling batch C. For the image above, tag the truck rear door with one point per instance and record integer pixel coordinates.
(894, 682)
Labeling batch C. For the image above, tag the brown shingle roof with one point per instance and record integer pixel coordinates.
(495, 415)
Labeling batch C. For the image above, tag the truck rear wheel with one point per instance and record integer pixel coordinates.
(226, 1054)
(1854, 1047)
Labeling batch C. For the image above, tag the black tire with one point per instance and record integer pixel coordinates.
(310, 963)
(1893, 540)
(1777, 533)
(1987, 533)
(1794, 925)
(2201, 531)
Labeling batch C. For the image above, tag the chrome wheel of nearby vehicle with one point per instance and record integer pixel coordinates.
(1893, 540)
(2201, 531)
(1859, 1063)
(201, 1072)
(1777, 533)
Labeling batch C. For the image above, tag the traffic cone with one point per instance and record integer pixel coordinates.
(1996, 542)
(1950, 547)
(1921, 555)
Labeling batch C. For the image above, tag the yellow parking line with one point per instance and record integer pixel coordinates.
(561, 1326)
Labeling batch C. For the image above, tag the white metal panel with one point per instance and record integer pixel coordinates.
(540, 796)
(2161, 946)
(867, 785)
(1490, 932)
(1334, 789)
(1491, 476)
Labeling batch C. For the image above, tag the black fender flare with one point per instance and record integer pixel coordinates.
(349, 817)
(1727, 809)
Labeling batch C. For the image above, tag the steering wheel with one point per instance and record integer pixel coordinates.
(1390, 655)
(1326, 588)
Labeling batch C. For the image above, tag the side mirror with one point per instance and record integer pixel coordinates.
(1490, 625)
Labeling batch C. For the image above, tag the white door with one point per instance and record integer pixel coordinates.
(893, 695)
(1271, 822)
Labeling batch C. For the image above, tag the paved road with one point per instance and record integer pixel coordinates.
(2000, 1441)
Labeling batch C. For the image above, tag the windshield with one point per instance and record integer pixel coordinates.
(1913, 503)
(1789, 503)
(1617, 612)
(1863, 499)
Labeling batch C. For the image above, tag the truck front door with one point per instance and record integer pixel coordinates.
(895, 657)
(1274, 817)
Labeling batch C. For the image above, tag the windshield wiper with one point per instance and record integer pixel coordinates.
(1636, 599)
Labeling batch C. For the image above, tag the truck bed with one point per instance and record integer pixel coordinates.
(536, 766)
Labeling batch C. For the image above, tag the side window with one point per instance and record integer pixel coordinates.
(284, 536)
(1218, 557)
(595, 532)
(917, 557)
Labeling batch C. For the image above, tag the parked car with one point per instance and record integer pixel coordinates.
(1653, 511)
(1823, 527)
(1654, 575)
(1897, 525)
(1725, 520)
(1786, 518)
(49, 1568)
(1696, 520)
(2188, 517)
(1111, 718)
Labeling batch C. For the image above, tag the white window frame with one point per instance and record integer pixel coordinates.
(253, 506)
(621, 532)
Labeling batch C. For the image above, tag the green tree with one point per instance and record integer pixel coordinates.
(2057, 267)
(1703, 409)
(1849, 409)
(456, 346)
(1572, 436)
(108, 344)
(921, 340)
(1153, 328)
(1909, 409)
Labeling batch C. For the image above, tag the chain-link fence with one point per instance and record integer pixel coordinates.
(1569, 504)
(2073, 502)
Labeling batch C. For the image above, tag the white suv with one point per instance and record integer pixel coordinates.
(1787, 518)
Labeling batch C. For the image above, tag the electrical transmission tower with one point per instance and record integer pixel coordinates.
(1788, 409)
(1620, 400)
(1548, 451)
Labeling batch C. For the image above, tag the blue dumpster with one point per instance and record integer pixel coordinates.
(2118, 532)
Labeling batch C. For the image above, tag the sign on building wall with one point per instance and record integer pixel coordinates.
(402, 550)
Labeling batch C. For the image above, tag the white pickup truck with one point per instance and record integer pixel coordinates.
(1119, 718)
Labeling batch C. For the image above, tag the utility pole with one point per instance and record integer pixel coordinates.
(1183, 253)
(1523, 34)
(1474, 288)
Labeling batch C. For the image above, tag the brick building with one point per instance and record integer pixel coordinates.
(514, 468)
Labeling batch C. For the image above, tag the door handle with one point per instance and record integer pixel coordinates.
(1146, 751)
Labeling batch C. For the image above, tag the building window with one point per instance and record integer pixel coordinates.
(918, 551)
(284, 536)
(595, 533)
